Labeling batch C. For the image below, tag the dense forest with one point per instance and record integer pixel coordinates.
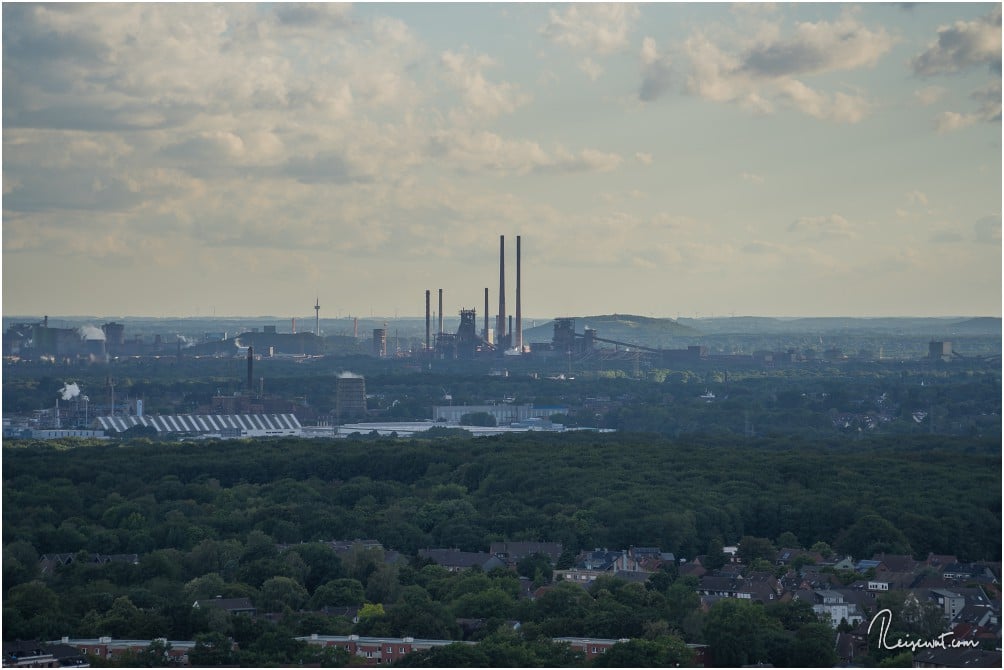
(248, 518)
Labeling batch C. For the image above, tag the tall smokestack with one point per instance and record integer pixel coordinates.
(250, 369)
(517, 335)
(486, 316)
(500, 335)
(428, 318)
(440, 311)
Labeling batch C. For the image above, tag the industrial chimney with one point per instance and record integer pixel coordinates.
(517, 334)
(440, 312)
(250, 369)
(428, 318)
(500, 333)
(487, 339)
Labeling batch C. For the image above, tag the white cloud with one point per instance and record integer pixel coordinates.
(489, 152)
(483, 99)
(600, 28)
(656, 71)
(752, 178)
(947, 122)
(831, 226)
(644, 158)
(767, 68)
(963, 45)
(818, 47)
(929, 94)
(591, 69)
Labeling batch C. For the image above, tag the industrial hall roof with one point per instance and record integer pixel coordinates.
(204, 423)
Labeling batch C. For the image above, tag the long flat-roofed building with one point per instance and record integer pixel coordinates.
(505, 413)
(224, 425)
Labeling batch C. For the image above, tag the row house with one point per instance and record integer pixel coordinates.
(592, 647)
(759, 587)
(109, 649)
(376, 650)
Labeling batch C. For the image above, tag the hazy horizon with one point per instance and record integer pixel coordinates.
(662, 160)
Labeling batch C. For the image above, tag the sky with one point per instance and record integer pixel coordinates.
(662, 160)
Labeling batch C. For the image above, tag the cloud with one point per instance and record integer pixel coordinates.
(489, 152)
(831, 226)
(751, 178)
(482, 98)
(838, 107)
(963, 45)
(989, 110)
(644, 158)
(591, 69)
(816, 48)
(929, 95)
(948, 122)
(916, 197)
(600, 28)
(767, 69)
(656, 72)
(946, 237)
(988, 229)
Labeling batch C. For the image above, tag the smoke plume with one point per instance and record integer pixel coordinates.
(89, 332)
(70, 391)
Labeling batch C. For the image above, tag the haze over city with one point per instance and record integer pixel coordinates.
(657, 159)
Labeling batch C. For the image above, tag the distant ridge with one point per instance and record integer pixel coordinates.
(978, 325)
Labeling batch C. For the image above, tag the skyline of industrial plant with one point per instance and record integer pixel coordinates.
(664, 160)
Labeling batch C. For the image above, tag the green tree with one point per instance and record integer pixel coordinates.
(715, 557)
(752, 549)
(661, 653)
(872, 534)
(814, 646)
(278, 593)
(213, 649)
(536, 567)
(738, 631)
(339, 592)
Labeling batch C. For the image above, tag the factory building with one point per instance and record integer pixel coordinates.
(223, 425)
(505, 414)
(939, 350)
(380, 342)
(350, 397)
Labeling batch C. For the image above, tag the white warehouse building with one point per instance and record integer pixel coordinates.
(505, 414)
(224, 425)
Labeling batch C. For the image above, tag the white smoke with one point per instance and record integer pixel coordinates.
(89, 332)
(349, 375)
(186, 341)
(70, 391)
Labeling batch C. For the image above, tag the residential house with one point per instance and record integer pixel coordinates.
(959, 657)
(28, 654)
(455, 560)
(831, 606)
(895, 562)
(969, 572)
(761, 587)
(513, 552)
(241, 606)
(950, 602)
